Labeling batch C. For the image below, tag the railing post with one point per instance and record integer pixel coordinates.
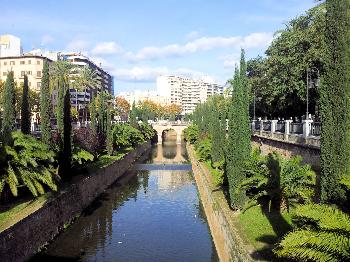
(307, 127)
(273, 126)
(252, 126)
(287, 128)
(261, 127)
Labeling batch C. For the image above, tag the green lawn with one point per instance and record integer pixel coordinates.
(20, 210)
(106, 160)
(261, 230)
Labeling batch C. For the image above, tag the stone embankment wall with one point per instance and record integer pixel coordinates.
(309, 153)
(221, 219)
(21, 241)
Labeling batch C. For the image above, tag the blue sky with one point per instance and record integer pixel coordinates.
(137, 40)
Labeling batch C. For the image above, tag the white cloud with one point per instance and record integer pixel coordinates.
(192, 35)
(106, 48)
(77, 45)
(230, 61)
(150, 74)
(254, 40)
(46, 39)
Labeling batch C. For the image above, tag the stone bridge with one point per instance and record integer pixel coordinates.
(178, 127)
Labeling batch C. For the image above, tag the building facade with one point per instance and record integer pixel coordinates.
(29, 65)
(81, 98)
(187, 92)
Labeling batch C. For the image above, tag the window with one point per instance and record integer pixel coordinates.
(38, 73)
(29, 62)
(38, 85)
(38, 62)
(22, 73)
(29, 72)
(12, 62)
(5, 63)
(22, 62)
(29, 84)
(4, 73)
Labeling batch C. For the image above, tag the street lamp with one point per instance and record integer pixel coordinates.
(310, 84)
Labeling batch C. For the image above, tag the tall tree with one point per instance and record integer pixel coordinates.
(239, 135)
(45, 105)
(335, 102)
(65, 162)
(61, 77)
(109, 139)
(9, 114)
(25, 108)
(93, 114)
(85, 81)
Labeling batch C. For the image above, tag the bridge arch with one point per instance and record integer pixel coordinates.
(160, 128)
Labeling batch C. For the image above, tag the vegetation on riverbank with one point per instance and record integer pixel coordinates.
(275, 185)
(33, 166)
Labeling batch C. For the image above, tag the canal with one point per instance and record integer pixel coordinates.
(152, 213)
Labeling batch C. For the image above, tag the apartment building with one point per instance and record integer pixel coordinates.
(187, 92)
(80, 98)
(30, 65)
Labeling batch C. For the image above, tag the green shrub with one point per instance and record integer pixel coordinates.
(81, 157)
(29, 162)
(191, 134)
(147, 131)
(124, 135)
(203, 149)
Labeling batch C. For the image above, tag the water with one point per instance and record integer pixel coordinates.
(153, 213)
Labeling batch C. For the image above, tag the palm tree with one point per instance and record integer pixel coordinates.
(322, 234)
(87, 78)
(279, 181)
(60, 79)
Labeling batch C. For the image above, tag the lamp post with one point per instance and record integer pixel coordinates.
(310, 84)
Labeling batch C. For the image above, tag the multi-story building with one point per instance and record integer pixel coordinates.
(10, 46)
(187, 92)
(80, 98)
(30, 65)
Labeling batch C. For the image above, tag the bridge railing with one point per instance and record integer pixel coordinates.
(305, 132)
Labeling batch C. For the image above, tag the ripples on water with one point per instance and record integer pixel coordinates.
(148, 215)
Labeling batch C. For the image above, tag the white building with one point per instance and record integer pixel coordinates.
(140, 96)
(10, 46)
(187, 92)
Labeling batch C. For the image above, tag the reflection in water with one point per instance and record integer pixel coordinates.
(148, 215)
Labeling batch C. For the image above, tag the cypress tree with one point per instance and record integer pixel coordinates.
(9, 114)
(66, 152)
(101, 111)
(60, 106)
(238, 151)
(93, 115)
(109, 132)
(45, 105)
(25, 108)
(335, 102)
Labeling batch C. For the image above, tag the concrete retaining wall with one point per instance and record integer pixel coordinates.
(221, 218)
(21, 241)
(309, 153)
